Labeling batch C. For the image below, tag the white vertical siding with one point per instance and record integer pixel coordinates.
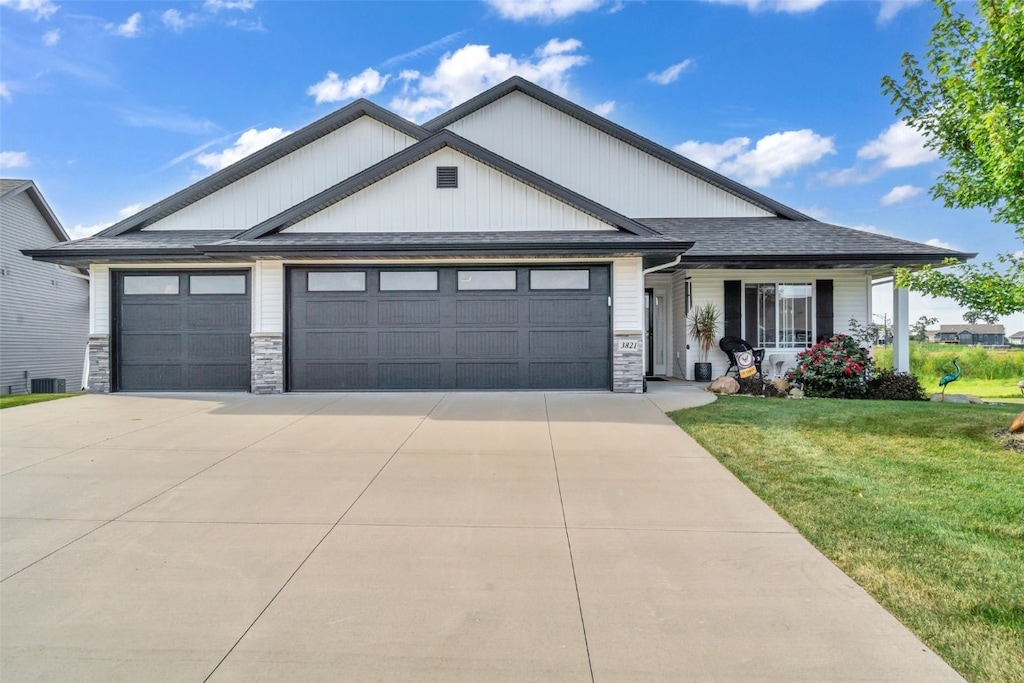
(849, 297)
(291, 179)
(485, 200)
(268, 297)
(99, 299)
(627, 296)
(679, 330)
(595, 164)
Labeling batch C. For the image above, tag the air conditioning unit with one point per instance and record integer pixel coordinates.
(49, 385)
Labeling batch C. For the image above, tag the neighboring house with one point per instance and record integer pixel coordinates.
(1017, 338)
(985, 335)
(44, 309)
(518, 241)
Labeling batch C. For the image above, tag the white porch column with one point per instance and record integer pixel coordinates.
(900, 329)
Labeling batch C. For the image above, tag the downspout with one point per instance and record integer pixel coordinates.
(663, 266)
(74, 272)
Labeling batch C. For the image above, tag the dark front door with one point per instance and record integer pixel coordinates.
(181, 331)
(429, 328)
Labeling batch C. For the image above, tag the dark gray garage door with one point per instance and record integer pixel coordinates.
(182, 331)
(448, 328)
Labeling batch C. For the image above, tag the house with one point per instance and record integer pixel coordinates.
(984, 335)
(44, 309)
(518, 241)
(1017, 338)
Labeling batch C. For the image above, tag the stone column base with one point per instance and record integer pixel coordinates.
(267, 363)
(99, 363)
(628, 363)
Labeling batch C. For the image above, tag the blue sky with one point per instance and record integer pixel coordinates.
(111, 106)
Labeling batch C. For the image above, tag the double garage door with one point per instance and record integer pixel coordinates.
(383, 328)
(448, 328)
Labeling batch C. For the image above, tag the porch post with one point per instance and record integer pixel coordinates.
(900, 329)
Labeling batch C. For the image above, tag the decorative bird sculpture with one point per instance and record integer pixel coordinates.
(947, 379)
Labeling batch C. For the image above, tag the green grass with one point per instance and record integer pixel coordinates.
(25, 399)
(982, 388)
(917, 502)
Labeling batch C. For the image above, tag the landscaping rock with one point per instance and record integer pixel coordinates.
(957, 398)
(796, 392)
(781, 384)
(724, 385)
(1017, 426)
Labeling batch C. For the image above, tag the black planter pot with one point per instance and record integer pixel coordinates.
(702, 372)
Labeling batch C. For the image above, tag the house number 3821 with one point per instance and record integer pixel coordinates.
(628, 344)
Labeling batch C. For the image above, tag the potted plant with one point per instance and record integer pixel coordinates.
(704, 330)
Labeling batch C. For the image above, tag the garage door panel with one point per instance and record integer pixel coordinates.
(217, 347)
(563, 375)
(486, 375)
(409, 344)
(409, 375)
(327, 345)
(334, 313)
(328, 376)
(410, 312)
(217, 315)
(150, 315)
(564, 311)
(487, 312)
(487, 344)
(153, 376)
(572, 343)
(214, 377)
(151, 347)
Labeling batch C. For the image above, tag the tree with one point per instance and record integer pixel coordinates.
(972, 318)
(970, 108)
(919, 330)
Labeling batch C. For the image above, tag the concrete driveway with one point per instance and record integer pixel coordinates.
(476, 537)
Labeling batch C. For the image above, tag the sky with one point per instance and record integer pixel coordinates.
(111, 106)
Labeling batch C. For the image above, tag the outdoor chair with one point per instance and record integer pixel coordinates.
(735, 345)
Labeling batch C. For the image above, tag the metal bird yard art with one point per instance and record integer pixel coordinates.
(948, 379)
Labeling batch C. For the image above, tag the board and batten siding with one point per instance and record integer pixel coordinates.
(627, 296)
(485, 200)
(595, 164)
(850, 298)
(291, 179)
(268, 297)
(679, 358)
(43, 310)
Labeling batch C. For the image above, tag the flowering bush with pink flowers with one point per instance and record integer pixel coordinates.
(836, 368)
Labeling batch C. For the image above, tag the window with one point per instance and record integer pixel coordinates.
(487, 279)
(778, 315)
(216, 284)
(150, 284)
(408, 281)
(336, 281)
(560, 279)
(448, 176)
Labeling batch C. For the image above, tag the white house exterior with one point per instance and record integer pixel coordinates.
(43, 309)
(518, 241)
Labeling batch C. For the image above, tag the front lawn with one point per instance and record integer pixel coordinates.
(24, 399)
(917, 502)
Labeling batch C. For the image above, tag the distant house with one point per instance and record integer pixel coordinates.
(1017, 338)
(44, 309)
(985, 335)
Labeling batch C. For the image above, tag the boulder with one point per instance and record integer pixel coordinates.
(781, 384)
(724, 385)
(1017, 426)
(796, 392)
(951, 398)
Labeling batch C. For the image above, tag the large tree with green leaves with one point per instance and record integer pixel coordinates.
(968, 101)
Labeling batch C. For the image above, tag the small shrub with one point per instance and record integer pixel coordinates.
(836, 368)
(887, 385)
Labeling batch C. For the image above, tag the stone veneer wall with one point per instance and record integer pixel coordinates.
(99, 363)
(267, 363)
(628, 364)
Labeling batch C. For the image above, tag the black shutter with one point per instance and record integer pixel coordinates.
(823, 309)
(733, 308)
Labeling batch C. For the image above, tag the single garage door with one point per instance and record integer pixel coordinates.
(182, 331)
(449, 328)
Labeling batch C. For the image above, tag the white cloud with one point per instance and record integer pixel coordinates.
(176, 21)
(248, 142)
(671, 74)
(421, 50)
(43, 9)
(334, 89)
(542, 10)
(51, 38)
(605, 108)
(900, 194)
(79, 231)
(472, 69)
(941, 244)
(855, 175)
(218, 5)
(772, 157)
(5, 92)
(131, 28)
(788, 6)
(14, 160)
(898, 146)
(890, 8)
(130, 210)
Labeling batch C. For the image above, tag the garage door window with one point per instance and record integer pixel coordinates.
(216, 284)
(560, 279)
(150, 284)
(337, 281)
(408, 281)
(487, 279)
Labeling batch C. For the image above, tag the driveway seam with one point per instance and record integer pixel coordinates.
(568, 541)
(322, 538)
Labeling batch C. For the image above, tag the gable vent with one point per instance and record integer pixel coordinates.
(447, 176)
